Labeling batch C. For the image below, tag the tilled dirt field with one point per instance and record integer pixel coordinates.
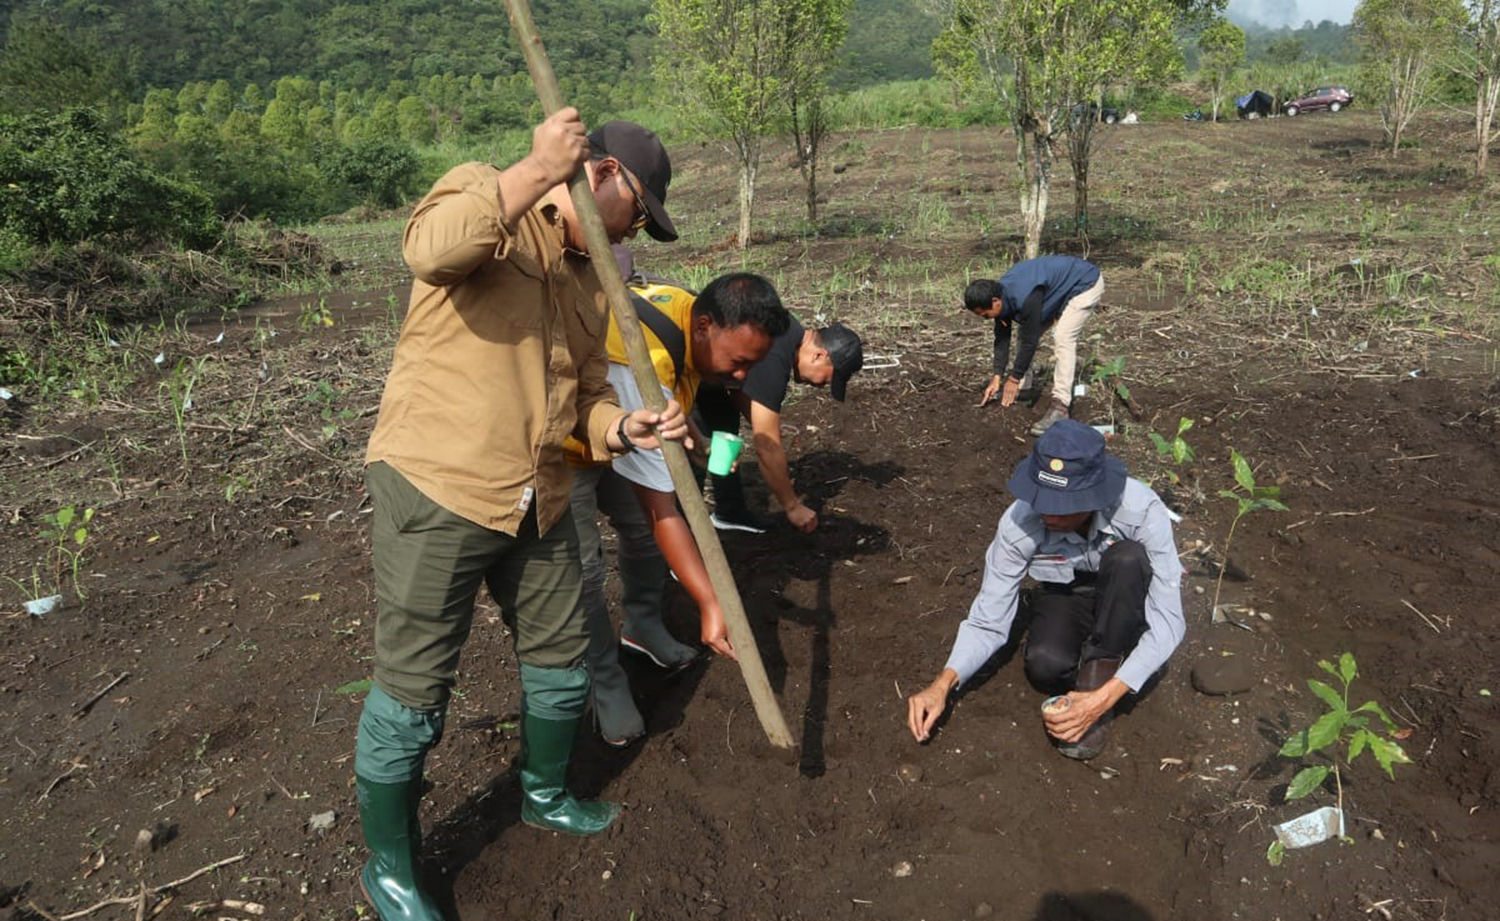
(231, 595)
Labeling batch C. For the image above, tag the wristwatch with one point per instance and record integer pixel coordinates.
(628, 445)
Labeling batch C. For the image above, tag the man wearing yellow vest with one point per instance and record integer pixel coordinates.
(715, 337)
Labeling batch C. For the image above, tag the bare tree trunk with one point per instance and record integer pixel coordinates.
(1484, 119)
(1080, 154)
(747, 201)
(808, 128)
(1034, 151)
(749, 156)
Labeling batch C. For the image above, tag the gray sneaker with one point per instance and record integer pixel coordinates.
(1055, 412)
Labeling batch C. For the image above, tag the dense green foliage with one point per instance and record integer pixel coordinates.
(356, 43)
(67, 178)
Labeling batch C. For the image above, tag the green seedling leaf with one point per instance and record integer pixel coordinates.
(353, 687)
(1326, 730)
(1388, 754)
(1230, 494)
(1327, 666)
(1242, 474)
(1296, 746)
(1271, 504)
(1123, 391)
(64, 517)
(1183, 424)
(1306, 781)
(1357, 743)
(1182, 451)
(1371, 706)
(1275, 853)
(1327, 694)
(80, 535)
(1347, 668)
(1162, 447)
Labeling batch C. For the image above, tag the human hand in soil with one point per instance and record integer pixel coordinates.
(643, 427)
(991, 390)
(1010, 392)
(560, 145)
(802, 518)
(1084, 709)
(715, 633)
(924, 707)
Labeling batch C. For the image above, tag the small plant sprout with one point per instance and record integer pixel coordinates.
(1110, 375)
(66, 532)
(1251, 498)
(314, 315)
(1336, 728)
(1176, 451)
(178, 387)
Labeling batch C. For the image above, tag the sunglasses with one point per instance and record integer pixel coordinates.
(642, 214)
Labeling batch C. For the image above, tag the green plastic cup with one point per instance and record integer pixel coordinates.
(723, 452)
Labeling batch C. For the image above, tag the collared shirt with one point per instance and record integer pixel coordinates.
(501, 358)
(1023, 546)
(648, 467)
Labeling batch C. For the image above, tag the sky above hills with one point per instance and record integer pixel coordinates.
(1293, 13)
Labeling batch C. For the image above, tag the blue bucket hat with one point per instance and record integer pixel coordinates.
(1069, 472)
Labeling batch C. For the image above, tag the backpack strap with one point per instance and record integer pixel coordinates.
(665, 330)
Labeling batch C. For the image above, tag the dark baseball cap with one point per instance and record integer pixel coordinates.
(639, 150)
(1069, 471)
(847, 353)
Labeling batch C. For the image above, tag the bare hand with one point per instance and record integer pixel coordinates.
(643, 427)
(924, 707)
(560, 146)
(1086, 708)
(802, 518)
(1011, 391)
(991, 390)
(715, 633)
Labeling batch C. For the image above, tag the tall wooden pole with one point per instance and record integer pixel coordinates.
(688, 494)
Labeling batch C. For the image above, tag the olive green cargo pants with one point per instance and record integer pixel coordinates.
(429, 564)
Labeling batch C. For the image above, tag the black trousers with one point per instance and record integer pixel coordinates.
(715, 411)
(1099, 616)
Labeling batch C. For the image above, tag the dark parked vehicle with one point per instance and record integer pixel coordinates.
(1109, 114)
(1255, 104)
(1331, 98)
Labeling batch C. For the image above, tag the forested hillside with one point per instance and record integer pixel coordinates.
(360, 44)
(354, 43)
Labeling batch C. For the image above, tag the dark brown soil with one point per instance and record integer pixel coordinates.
(234, 593)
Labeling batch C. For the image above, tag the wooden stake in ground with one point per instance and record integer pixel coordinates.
(688, 494)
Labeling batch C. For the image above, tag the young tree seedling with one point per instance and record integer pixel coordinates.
(1111, 375)
(1338, 727)
(1250, 498)
(1177, 451)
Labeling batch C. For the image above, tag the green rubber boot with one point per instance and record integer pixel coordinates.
(546, 747)
(388, 814)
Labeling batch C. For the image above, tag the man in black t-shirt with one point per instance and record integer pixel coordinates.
(817, 357)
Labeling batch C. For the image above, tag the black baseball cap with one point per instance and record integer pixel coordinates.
(639, 150)
(847, 353)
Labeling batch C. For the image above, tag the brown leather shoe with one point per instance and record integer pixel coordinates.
(1092, 675)
(1057, 411)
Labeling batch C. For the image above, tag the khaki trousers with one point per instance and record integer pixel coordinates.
(1065, 334)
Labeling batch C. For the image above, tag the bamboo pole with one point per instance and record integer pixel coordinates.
(688, 494)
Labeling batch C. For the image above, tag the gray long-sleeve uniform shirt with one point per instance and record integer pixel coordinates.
(1023, 545)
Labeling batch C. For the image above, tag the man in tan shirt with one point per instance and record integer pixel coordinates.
(500, 359)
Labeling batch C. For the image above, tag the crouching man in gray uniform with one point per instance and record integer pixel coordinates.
(1107, 612)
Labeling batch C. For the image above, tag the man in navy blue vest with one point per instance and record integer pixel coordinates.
(1056, 291)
